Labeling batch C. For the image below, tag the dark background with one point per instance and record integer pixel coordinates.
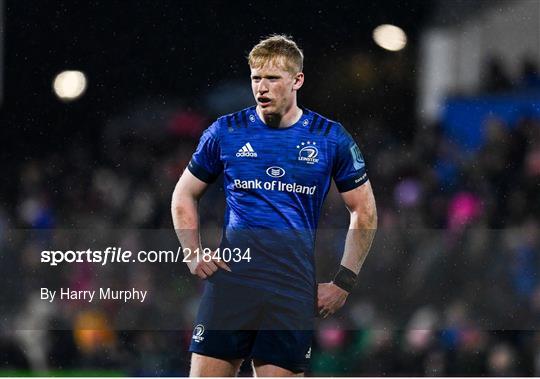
(451, 285)
(136, 51)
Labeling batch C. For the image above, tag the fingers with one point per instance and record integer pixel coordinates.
(320, 302)
(323, 307)
(328, 306)
(329, 300)
(200, 272)
(325, 312)
(222, 265)
(207, 269)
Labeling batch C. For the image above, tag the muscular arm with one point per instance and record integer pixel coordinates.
(363, 223)
(362, 227)
(184, 209)
(185, 215)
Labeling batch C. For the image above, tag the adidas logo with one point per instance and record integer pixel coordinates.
(308, 354)
(247, 151)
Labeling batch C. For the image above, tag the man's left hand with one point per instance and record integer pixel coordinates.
(330, 298)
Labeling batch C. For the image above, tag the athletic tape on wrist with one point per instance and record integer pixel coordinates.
(345, 279)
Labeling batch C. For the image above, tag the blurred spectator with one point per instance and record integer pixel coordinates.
(501, 361)
(530, 77)
(496, 79)
(434, 254)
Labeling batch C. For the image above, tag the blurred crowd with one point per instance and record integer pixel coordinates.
(450, 286)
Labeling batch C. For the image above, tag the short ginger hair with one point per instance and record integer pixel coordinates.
(279, 49)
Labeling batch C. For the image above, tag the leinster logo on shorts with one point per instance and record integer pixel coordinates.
(308, 152)
(198, 333)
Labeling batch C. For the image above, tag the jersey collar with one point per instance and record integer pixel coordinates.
(304, 120)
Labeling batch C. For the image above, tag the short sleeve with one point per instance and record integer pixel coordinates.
(206, 163)
(349, 169)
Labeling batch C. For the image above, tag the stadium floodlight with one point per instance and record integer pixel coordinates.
(390, 37)
(69, 85)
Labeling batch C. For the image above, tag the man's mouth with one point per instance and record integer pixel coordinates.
(264, 101)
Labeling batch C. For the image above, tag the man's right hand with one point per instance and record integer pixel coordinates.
(206, 269)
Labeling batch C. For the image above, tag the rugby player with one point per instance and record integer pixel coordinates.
(277, 160)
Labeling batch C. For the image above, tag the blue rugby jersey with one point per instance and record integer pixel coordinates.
(275, 182)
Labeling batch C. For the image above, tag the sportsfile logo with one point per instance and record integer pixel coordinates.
(246, 151)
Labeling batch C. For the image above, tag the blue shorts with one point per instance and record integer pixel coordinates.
(236, 321)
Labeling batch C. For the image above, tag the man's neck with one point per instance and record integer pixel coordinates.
(281, 121)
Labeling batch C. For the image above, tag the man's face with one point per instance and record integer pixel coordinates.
(274, 88)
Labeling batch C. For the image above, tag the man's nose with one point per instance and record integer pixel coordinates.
(263, 86)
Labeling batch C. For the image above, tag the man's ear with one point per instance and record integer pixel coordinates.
(298, 81)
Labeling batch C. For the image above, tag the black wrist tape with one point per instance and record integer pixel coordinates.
(345, 279)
